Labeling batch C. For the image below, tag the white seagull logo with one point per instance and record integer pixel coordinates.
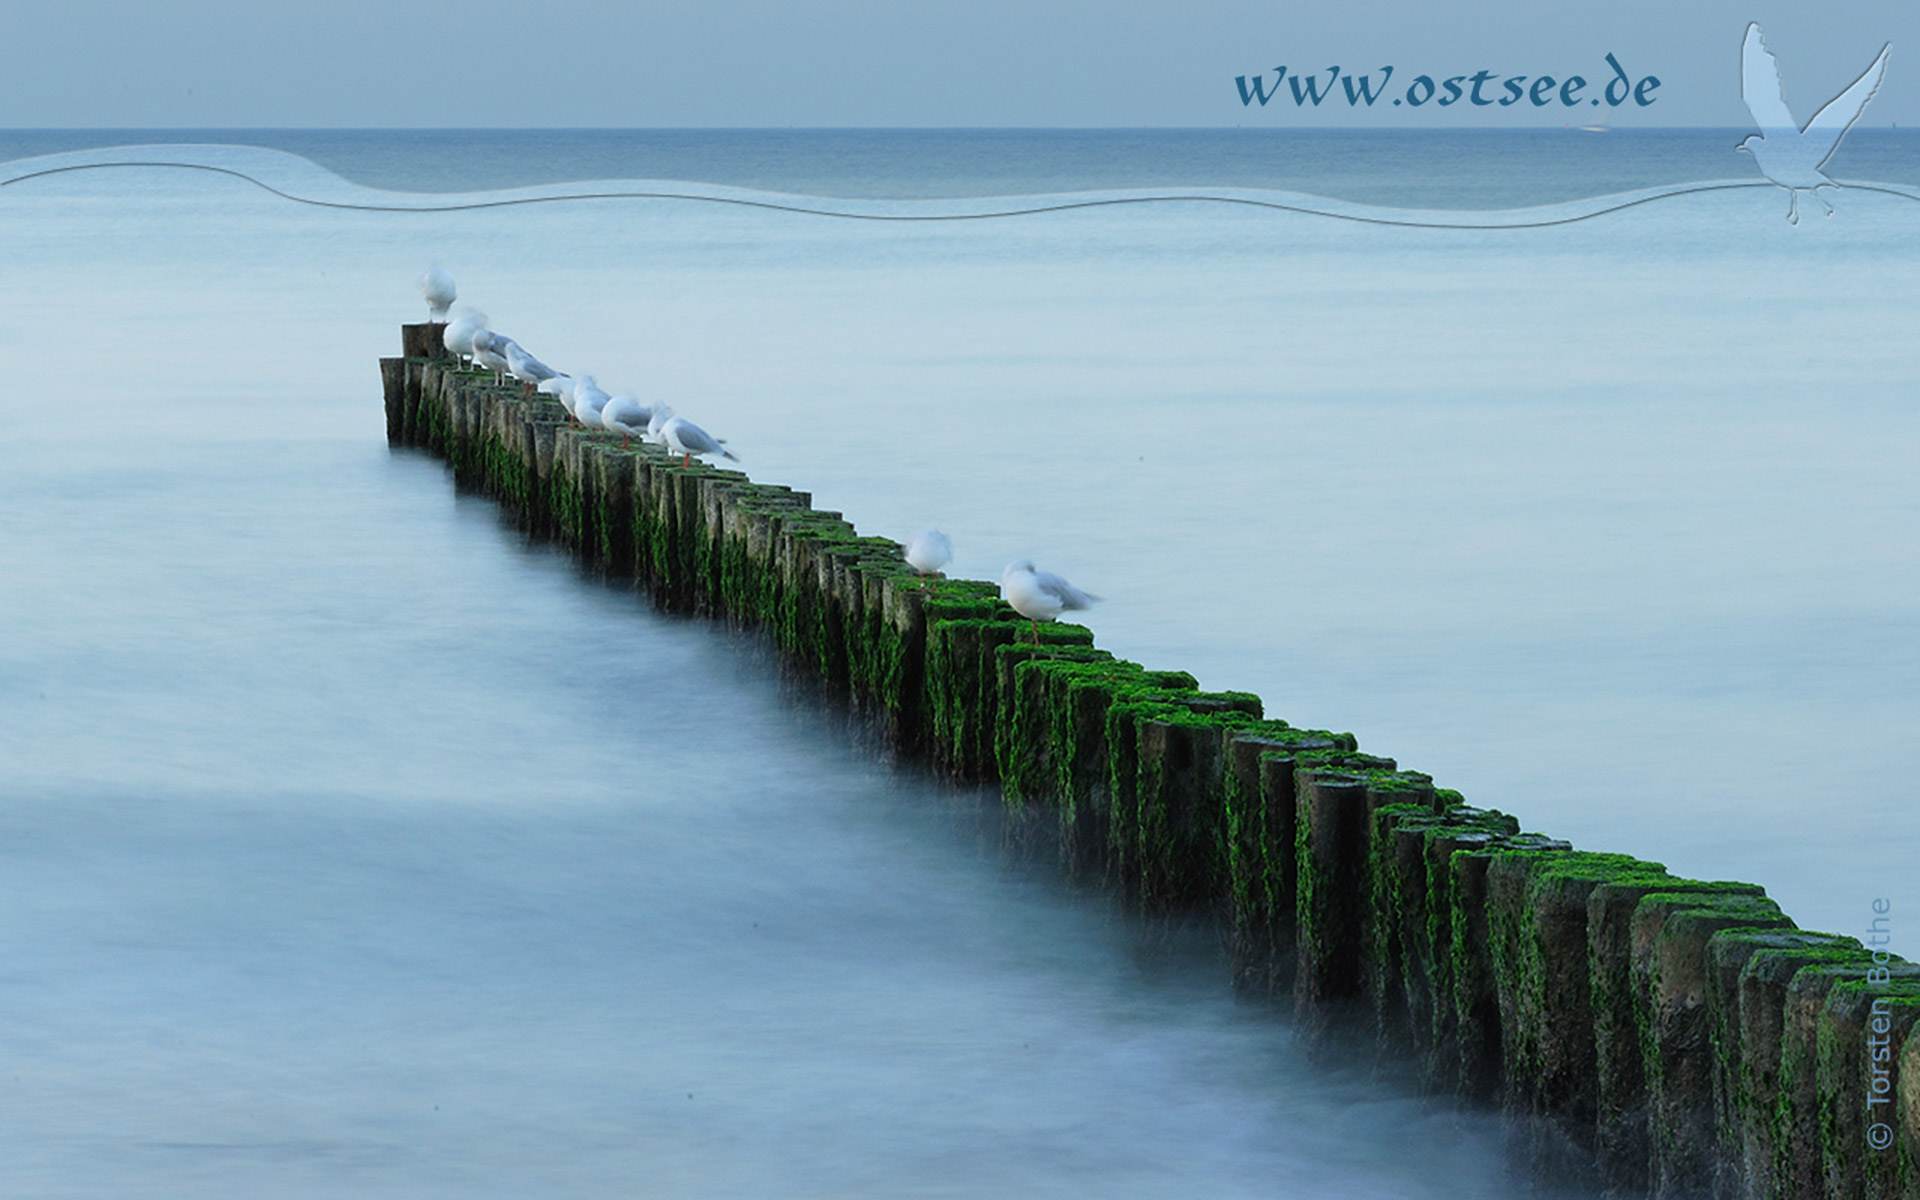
(1790, 154)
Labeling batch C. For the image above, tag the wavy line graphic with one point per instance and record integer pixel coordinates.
(303, 181)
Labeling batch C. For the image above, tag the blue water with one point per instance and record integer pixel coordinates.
(1445, 168)
(353, 845)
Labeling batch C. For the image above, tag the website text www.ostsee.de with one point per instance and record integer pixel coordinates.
(1480, 89)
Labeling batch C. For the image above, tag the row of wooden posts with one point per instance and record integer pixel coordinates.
(1674, 1037)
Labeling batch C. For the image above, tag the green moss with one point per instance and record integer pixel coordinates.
(1541, 956)
(1034, 738)
(1844, 1066)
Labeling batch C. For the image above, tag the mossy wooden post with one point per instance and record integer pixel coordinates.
(1402, 849)
(464, 406)
(1670, 971)
(954, 609)
(1392, 798)
(1381, 974)
(1028, 743)
(444, 403)
(423, 341)
(1468, 830)
(861, 583)
(1538, 904)
(903, 609)
(543, 436)
(1476, 1001)
(610, 471)
(1778, 1094)
(960, 688)
(1330, 841)
(692, 553)
(1178, 796)
(650, 549)
(1863, 1029)
(712, 492)
(1622, 1130)
(751, 529)
(501, 437)
(393, 392)
(1260, 859)
(672, 556)
(717, 494)
(842, 601)
(1476, 1004)
(572, 501)
(428, 419)
(1744, 1044)
(1079, 700)
(1798, 1138)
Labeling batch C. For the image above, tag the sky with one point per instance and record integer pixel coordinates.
(860, 63)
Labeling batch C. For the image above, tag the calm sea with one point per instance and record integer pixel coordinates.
(353, 845)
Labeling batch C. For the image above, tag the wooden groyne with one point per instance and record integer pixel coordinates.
(1673, 1037)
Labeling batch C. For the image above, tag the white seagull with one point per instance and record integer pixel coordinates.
(627, 415)
(560, 387)
(662, 413)
(588, 399)
(490, 351)
(437, 287)
(929, 551)
(1039, 595)
(1790, 154)
(686, 439)
(460, 332)
(526, 368)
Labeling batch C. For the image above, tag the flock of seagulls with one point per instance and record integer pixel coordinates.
(1035, 594)
(467, 337)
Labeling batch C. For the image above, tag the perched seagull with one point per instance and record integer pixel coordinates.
(437, 286)
(560, 387)
(526, 368)
(460, 332)
(1039, 595)
(490, 351)
(662, 413)
(1790, 154)
(625, 414)
(686, 439)
(929, 551)
(588, 400)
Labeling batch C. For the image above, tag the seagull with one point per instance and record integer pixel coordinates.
(1791, 155)
(929, 551)
(625, 414)
(560, 387)
(526, 368)
(686, 439)
(662, 413)
(588, 400)
(490, 351)
(460, 332)
(437, 286)
(1039, 595)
